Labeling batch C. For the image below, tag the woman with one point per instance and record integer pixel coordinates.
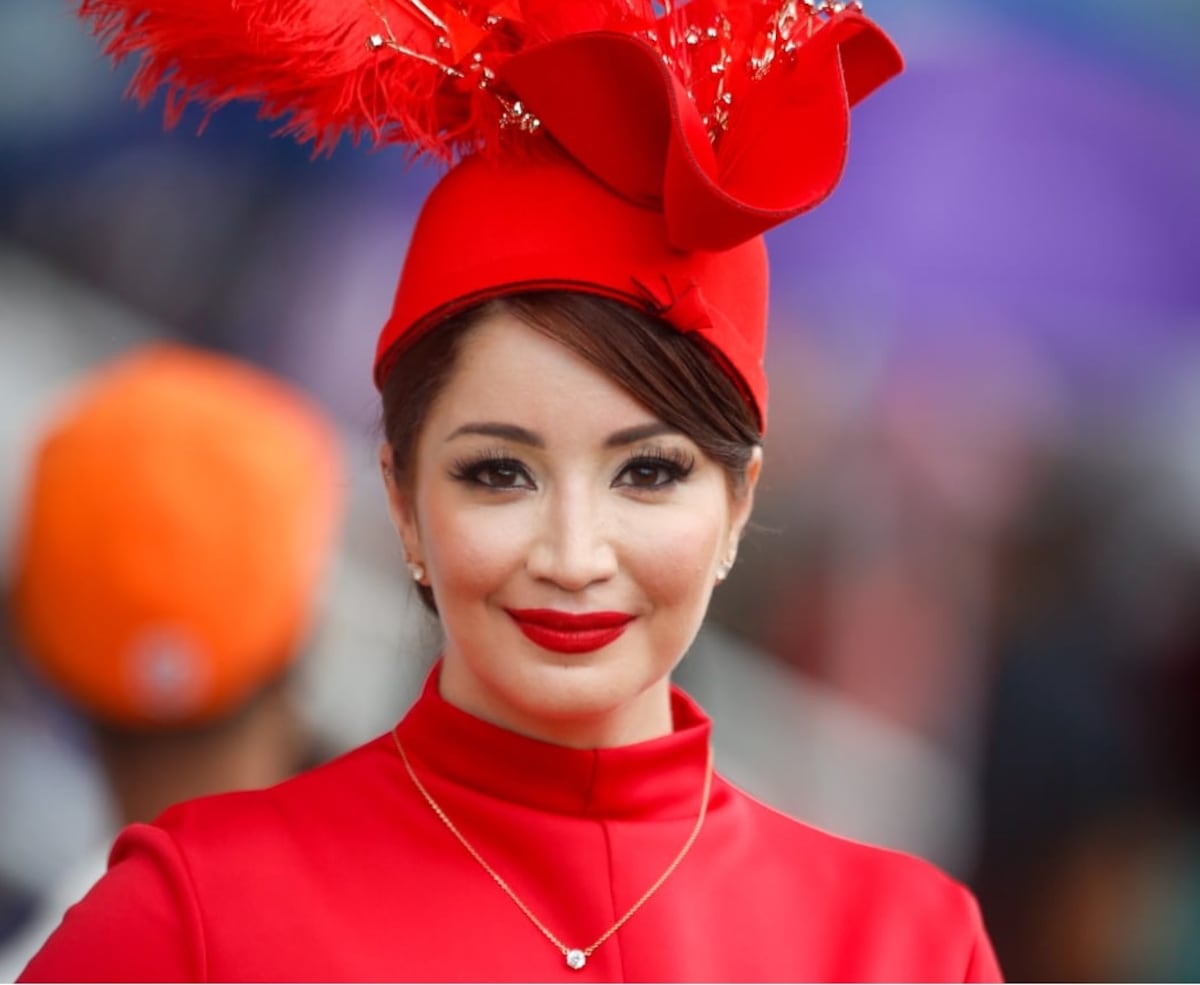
(574, 404)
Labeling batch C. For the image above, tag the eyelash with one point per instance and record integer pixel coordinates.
(675, 463)
(471, 470)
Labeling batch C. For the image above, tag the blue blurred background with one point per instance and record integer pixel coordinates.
(968, 622)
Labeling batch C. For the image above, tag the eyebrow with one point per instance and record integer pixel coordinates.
(642, 432)
(492, 429)
(523, 436)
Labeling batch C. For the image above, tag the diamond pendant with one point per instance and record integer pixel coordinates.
(576, 959)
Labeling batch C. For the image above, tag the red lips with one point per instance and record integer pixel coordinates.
(570, 632)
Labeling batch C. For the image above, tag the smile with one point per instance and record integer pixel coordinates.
(569, 632)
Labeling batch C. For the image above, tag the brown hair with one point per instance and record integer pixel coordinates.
(672, 375)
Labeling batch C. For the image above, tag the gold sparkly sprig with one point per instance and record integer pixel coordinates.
(514, 114)
(387, 39)
(707, 58)
(711, 60)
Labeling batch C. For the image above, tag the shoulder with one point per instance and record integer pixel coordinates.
(832, 858)
(203, 881)
(898, 901)
(231, 846)
(330, 794)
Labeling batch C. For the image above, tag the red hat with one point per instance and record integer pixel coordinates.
(627, 148)
(178, 520)
(496, 227)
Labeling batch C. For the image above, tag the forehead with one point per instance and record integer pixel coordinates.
(507, 370)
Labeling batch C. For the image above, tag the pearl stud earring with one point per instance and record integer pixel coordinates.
(725, 567)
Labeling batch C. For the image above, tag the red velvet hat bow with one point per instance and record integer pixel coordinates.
(706, 122)
(773, 147)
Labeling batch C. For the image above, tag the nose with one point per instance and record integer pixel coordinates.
(572, 546)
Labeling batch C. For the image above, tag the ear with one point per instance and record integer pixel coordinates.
(400, 506)
(742, 500)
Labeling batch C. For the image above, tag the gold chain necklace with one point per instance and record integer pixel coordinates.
(576, 957)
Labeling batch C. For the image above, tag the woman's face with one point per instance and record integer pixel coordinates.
(571, 540)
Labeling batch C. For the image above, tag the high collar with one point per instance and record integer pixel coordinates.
(659, 778)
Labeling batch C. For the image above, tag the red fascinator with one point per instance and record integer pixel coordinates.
(635, 149)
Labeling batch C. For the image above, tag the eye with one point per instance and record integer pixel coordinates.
(654, 471)
(494, 473)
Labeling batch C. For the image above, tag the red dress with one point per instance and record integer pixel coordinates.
(345, 874)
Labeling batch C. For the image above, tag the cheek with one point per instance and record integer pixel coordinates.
(471, 550)
(672, 556)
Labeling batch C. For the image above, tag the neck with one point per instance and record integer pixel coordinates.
(149, 773)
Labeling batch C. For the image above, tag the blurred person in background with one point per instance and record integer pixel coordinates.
(574, 404)
(1090, 855)
(179, 516)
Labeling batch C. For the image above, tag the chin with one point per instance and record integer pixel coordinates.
(564, 687)
(575, 699)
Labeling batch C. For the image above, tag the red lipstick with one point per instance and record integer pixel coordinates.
(570, 632)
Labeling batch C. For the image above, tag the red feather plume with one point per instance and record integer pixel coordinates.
(427, 73)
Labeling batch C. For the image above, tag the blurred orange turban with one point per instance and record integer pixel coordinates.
(179, 517)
